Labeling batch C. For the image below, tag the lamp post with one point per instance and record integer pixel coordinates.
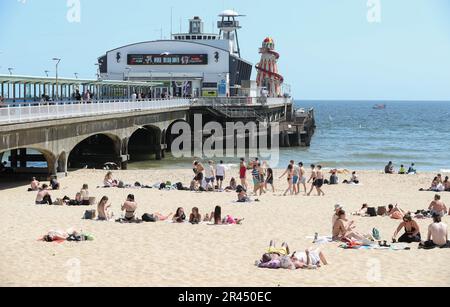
(128, 69)
(10, 70)
(76, 75)
(46, 73)
(57, 60)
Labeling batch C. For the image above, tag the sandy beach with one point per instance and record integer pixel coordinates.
(165, 254)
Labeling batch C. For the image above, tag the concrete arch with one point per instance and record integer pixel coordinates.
(95, 150)
(19, 158)
(145, 142)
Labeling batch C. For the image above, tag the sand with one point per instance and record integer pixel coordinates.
(165, 254)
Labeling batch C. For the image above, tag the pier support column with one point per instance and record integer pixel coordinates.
(287, 141)
(14, 156)
(62, 164)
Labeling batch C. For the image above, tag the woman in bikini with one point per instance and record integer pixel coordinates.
(269, 179)
(130, 207)
(180, 216)
(343, 230)
(290, 179)
(395, 212)
(412, 231)
(103, 210)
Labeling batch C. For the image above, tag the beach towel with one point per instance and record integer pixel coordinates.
(321, 240)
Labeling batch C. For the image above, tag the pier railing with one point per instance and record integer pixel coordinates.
(54, 110)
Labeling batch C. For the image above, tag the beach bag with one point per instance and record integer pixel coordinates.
(179, 186)
(372, 211)
(89, 215)
(121, 185)
(382, 211)
(162, 186)
(149, 218)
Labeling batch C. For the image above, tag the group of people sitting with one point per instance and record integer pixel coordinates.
(389, 169)
(439, 184)
(281, 258)
(334, 178)
(344, 229)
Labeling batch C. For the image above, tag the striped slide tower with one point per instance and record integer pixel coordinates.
(267, 68)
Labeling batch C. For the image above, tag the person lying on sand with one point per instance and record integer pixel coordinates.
(437, 234)
(130, 206)
(437, 206)
(395, 212)
(242, 195)
(216, 216)
(276, 258)
(412, 231)
(362, 211)
(195, 217)
(180, 216)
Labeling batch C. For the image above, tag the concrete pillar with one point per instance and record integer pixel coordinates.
(23, 157)
(14, 155)
(62, 163)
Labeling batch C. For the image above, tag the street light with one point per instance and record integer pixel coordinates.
(128, 69)
(76, 75)
(46, 72)
(57, 60)
(10, 70)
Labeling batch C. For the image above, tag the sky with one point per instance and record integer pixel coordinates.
(329, 49)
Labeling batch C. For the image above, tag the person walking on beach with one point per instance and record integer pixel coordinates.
(302, 177)
(220, 175)
(319, 181)
(312, 179)
(269, 179)
(209, 175)
(290, 174)
(243, 174)
(257, 185)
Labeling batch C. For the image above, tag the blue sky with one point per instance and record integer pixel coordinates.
(328, 48)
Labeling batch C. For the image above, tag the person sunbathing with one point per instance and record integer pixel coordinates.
(130, 206)
(109, 181)
(232, 187)
(395, 212)
(343, 230)
(437, 234)
(216, 216)
(272, 258)
(362, 211)
(437, 206)
(180, 216)
(43, 196)
(104, 214)
(35, 184)
(195, 217)
(310, 258)
(412, 231)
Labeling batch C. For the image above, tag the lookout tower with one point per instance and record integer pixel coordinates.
(229, 26)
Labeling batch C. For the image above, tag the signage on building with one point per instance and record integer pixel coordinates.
(207, 93)
(171, 59)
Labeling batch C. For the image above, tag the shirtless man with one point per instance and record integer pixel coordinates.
(43, 196)
(319, 181)
(296, 177)
(302, 179)
(343, 229)
(437, 234)
(437, 206)
(447, 184)
(130, 207)
(312, 179)
(35, 185)
(198, 170)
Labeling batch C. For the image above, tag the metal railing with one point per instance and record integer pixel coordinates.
(53, 110)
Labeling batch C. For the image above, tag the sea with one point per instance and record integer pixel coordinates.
(353, 135)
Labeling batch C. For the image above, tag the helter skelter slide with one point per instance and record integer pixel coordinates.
(268, 76)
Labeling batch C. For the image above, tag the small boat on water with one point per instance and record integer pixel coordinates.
(379, 107)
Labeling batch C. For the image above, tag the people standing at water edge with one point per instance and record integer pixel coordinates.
(130, 206)
(220, 174)
(437, 234)
(389, 168)
(412, 231)
(437, 206)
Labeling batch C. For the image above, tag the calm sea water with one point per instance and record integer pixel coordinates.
(355, 136)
